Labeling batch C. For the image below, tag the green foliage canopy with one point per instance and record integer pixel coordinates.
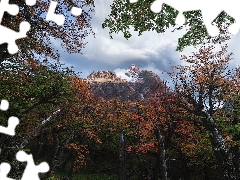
(139, 15)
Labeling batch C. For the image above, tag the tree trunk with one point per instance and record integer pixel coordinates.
(43, 137)
(222, 153)
(61, 150)
(55, 151)
(163, 152)
(37, 129)
(53, 160)
(122, 157)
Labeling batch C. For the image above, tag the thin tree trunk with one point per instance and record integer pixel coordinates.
(43, 137)
(122, 157)
(61, 149)
(163, 153)
(56, 148)
(54, 159)
(37, 129)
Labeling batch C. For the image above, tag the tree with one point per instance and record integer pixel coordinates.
(165, 130)
(72, 131)
(35, 91)
(124, 14)
(38, 41)
(55, 109)
(201, 87)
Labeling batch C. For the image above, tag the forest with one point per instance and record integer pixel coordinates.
(190, 131)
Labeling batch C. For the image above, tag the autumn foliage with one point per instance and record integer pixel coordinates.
(166, 136)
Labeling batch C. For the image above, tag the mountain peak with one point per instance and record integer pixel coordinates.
(124, 84)
(134, 69)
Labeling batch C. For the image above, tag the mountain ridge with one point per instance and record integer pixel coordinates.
(108, 85)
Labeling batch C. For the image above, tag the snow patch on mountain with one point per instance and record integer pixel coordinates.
(131, 74)
(121, 73)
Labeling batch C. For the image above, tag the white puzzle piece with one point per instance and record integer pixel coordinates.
(4, 170)
(7, 35)
(10, 130)
(76, 11)
(52, 16)
(31, 171)
(12, 121)
(4, 105)
(13, 9)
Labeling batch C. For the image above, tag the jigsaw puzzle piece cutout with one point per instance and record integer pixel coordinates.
(52, 16)
(234, 28)
(30, 2)
(4, 105)
(4, 170)
(157, 5)
(10, 130)
(232, 9)
(208, 13)
(180, 19)
(208, 18)
(31, 171)
(12, 9)
(76, 11)
(12, 121)
(12, 36)
(189, 5)
(133, 1)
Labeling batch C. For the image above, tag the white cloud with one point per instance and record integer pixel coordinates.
(153, 51)
(152, 67)
(119, 50)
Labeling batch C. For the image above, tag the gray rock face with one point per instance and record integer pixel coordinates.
(109, 86)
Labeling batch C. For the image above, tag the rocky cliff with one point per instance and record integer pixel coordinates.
(107, 85)
(104, 76)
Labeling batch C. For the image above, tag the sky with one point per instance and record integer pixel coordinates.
(150, 51)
